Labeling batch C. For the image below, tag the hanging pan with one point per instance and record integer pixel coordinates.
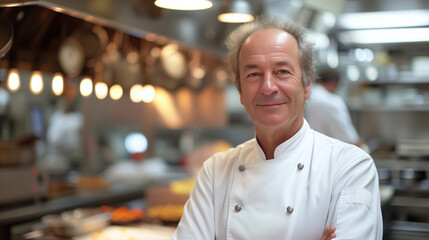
(6, 36)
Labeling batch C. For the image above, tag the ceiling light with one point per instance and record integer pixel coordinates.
(385, 19)
(101, 90)
(13, 81)
(376, 36)
(57, 84)
(116, 92)
(236, 11)
(36, 83)
(184, 4)
(148, 92)
(136, 93)
(86, 87)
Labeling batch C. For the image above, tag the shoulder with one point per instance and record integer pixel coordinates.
(229, 157)
(234, 152)
(346, 162)
(338, 150)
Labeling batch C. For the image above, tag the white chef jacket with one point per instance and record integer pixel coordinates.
(327, 113)
(313, 182)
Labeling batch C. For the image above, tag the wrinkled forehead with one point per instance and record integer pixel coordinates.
(270, 42)
(270, 37)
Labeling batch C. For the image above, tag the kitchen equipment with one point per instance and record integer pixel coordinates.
(173, 62)
(14, 153)
(82, 45)
(197, 77)
(22, 184)
(384, 175)
(127, 71)
(220, 78)
(76, 222)
(167, 67)
(412, 148)
(411, 177)
(71, 57)
(6, 36)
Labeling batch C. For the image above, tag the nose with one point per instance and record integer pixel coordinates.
(269, 84)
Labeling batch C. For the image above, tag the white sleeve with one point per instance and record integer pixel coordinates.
(341, 123)
(356, 209)
(198, 215)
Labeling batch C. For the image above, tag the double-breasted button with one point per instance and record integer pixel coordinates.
(237, 208)
(289, 209)
(300, 166)
(241, 168)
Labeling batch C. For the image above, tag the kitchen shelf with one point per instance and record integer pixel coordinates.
(384, 108)
(391, 82)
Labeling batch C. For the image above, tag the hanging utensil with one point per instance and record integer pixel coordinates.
(6, 36)
(220, 78)
(197, 77)
(111, 57)
(83, 45)
(171, 67)
(128, 71)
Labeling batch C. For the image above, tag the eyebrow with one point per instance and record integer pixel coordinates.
(284, 63)
(250, 66)
(278, 64)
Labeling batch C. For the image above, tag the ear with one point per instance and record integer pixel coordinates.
(307, 89)
(241, 98)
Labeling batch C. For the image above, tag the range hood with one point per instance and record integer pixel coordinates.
(197, 29)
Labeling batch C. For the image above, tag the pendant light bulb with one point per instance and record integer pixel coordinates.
(148, 93)
(116, 92)
(58, 84)
(86, 87)
(13, 81)
(36, 83)
(136, 93)
(101, 90)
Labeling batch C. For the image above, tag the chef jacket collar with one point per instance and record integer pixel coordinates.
(289, 145)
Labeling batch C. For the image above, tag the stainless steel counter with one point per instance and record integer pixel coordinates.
(112, 195)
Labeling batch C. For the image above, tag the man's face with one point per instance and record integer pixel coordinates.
(270, 77)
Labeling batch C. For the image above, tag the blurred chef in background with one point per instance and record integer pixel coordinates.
(64, 134)
(326, 112)
(289, 182)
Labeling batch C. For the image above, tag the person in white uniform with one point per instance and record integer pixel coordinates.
(326, 112)
(289, 182)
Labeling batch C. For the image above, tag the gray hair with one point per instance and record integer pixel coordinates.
(236, 39)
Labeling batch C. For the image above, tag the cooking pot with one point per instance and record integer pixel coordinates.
(412, 177)
(6, 36)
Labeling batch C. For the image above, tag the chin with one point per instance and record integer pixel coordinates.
(271, 123)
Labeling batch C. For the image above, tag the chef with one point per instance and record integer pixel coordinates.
(327, 112)
(289, 182)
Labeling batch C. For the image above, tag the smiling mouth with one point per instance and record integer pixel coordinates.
(269, 104)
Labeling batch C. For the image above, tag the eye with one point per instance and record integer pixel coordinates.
(282, 71)
(252, 75)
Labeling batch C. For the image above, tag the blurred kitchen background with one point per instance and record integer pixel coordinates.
(106, 102)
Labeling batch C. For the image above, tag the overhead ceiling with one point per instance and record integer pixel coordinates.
(40, 26)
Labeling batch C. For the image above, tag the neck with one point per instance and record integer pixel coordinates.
(270, 139)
